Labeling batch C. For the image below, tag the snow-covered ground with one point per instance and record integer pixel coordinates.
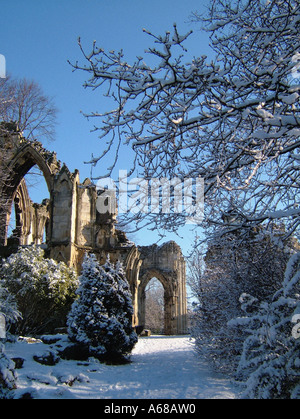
(162, 368)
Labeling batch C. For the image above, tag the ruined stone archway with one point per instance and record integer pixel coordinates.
(22, 204)
(75, 227)
(25, 154)
(169, 312)
(166, 263)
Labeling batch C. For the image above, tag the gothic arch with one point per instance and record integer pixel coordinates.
(25, 155)
(169, 283)
(169, 292)
(167, 264)
(22, 204)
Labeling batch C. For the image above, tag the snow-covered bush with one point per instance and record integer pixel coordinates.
(240, 263)
(101, 318)
(7, 375)
(42, 288)
(8, 306)
(270, 362)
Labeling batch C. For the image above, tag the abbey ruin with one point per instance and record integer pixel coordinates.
(69, 225)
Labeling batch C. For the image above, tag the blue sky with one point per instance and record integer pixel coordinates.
(37, 37)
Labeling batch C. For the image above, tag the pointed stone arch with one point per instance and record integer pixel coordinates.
(169, 306)
(22, 204)
(166, 263)
(25, 154)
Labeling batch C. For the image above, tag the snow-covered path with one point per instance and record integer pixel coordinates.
(162, 368)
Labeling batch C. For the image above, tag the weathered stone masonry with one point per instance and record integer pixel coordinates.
(73, 226)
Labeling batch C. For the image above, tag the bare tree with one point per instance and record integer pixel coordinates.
(23, 108)
(233, 121)
(24, 103)
(236, 266)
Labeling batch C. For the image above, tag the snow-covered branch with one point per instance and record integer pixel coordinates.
(234, 121)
